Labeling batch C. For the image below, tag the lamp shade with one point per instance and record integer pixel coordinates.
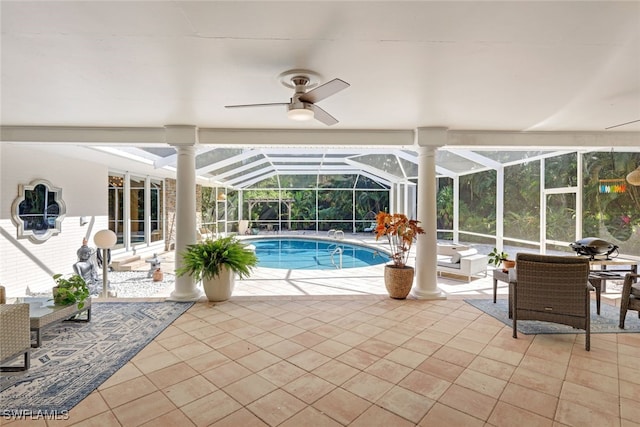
(105, 239)
(634, 177)
(300, 114)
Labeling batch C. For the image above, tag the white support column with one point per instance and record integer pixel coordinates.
(184, 139)
(426, 282)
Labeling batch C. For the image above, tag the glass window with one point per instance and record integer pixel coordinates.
(561, 171)
(522, 201)
(478, 202)
(116, 207)
(38, 211)
(157, 210)
(136, 210)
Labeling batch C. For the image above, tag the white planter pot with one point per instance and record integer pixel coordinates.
(219, 288)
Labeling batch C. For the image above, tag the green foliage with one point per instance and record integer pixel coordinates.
(70, 291)
(205, 259)
(496, 257)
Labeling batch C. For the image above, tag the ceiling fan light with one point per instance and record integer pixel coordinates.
(634, 177)
(300, 114)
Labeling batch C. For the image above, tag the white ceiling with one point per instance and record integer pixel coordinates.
(543, 66)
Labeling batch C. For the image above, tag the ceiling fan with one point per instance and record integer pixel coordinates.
(302, 105)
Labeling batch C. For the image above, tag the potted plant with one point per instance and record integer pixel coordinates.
(497, 257)
(215, 263)
(69, 291)
(401, 232)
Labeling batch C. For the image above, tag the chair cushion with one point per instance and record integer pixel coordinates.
(635, 290)
(455, 258)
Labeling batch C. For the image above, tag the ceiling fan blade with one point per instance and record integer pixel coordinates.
(324, 91)
(622, 124)
(322, 116)
(273, 104)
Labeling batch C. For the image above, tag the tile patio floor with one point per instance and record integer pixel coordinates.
(292, 350)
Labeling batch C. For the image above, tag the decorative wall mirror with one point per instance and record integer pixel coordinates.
(38, 211)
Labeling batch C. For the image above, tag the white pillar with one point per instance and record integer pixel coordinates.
(426, 282)
(184, 139)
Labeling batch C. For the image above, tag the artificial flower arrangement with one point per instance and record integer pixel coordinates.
(401, 232)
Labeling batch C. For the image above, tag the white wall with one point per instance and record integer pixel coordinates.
(84, 190)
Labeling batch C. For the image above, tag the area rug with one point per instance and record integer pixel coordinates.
(75, 358)
(605, 323)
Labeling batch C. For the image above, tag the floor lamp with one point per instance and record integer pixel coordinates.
(105, 240)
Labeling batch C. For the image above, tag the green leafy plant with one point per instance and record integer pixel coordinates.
(401, 233)
(496, 257)
(70, 291)
(205, 259)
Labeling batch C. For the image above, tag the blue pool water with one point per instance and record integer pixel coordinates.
(309, 254)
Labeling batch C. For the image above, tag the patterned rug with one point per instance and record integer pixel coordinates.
(75, 358)
(606, 323)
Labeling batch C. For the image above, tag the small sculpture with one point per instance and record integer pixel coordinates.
(87, 268)
(154, 265)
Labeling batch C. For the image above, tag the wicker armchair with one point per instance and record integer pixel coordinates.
(15, 335)
(552, 289)
(630, 297)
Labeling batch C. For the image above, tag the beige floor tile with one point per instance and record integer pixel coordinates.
(389, 370)
(500, 354)
(376, 347)
(482, 383)
(276, 407)
(309, 388)
(535, 381)
(545, 367)
(335, 372)
(308, 417)
(105, 419)
(144, 409)
(189, 390)
(603, 402)
(207, 361)
(249, 388)
(367, 386)
(176, 340)
(406, 357)
(442, 415)
(531, 400)
(226, 374)
(358, 359)
(379, 417)
(156, 362)
(453, 355)
(405, 403)
(258, 360)
(221, 340)
(285, 348)
(171, 419)
(425, 384)
(210, 408)
(308, 339)
(593, 380)
(440, 368)
(170, 375)
(308, 359)
(282, 373)
(241, 417)
(574, 414)
(493, 368)
(265, 339)
(629, 410)
(342, 406)
(126, 373)
(505, 415)
(238, 349)
(127, 391)
(331, 348)
(468, 401)
(88, 408)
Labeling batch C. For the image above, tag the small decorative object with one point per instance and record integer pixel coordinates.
(497, 257)
(634, 177)
(70, 291)
(401, 232)
(612, 186)
(215, 263)
(158, 275)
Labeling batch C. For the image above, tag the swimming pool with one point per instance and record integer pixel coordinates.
(313, 254)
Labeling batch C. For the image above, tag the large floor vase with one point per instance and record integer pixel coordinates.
(220, 287)
(398, 280)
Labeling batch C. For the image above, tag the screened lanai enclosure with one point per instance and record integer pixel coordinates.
(542, 200)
